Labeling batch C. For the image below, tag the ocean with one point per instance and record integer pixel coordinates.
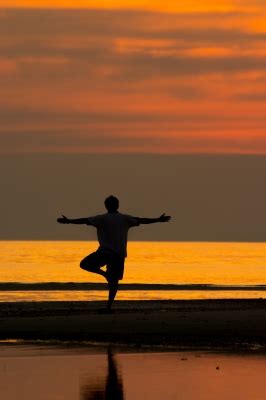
(49, 271)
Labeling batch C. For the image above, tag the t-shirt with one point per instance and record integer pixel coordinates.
(112, 229)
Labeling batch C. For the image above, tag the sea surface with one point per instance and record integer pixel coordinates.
(50, 373)
(43, 270)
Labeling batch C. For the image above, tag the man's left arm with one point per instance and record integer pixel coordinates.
(162, 218)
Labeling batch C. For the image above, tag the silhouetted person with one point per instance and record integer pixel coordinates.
(112, 228)
(111, 389)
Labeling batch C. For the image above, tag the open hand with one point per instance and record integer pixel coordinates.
(164, 218)
(63, 220)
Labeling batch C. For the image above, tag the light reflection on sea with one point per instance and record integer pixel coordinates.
(148, 262)
(94, 295)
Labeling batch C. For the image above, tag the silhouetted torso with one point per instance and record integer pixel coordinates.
(112, 230)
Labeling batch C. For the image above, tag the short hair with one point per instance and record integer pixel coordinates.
(111, 203)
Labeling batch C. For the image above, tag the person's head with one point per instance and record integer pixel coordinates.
(111, 204)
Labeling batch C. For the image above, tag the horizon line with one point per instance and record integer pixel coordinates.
(144, 153)
(141, 241)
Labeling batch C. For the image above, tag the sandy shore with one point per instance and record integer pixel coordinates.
(195, 323)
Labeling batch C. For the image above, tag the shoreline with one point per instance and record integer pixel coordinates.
(213, 324)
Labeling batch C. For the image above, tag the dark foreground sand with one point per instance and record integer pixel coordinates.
(193, 323)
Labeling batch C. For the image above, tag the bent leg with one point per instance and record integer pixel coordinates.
(93, 263)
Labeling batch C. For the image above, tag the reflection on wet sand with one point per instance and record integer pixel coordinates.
(108, 388)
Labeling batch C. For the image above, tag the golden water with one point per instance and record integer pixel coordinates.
(147, 262)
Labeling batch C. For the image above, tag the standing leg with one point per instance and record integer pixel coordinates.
(114, 272)
(113, 287)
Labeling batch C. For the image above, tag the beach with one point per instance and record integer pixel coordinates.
(237, 324)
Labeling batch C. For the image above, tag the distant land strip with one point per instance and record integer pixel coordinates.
(65, 286)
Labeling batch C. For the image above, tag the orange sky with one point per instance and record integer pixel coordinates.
(168, 5)
(118, 77)
(223, 5)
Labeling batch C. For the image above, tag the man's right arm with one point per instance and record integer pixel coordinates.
(79, 221)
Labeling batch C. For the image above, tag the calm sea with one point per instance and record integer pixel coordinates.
(182, 271)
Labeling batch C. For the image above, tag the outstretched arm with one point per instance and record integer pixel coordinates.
(65, 220)
(162, 218)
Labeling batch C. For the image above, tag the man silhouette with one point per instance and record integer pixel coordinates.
(112, 229)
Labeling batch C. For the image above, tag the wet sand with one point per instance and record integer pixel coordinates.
(193, 323)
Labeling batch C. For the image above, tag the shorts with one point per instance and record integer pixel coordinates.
(114, 263)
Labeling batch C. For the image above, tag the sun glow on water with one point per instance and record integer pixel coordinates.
(147, 263)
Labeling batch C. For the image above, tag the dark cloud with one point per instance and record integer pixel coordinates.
(19, 116)
(111, 23)
(137, 66)
(143, 66)
(251, 97)
(100, 139)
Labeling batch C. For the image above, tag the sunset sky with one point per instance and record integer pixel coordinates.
(140, 78)
(133, 76)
